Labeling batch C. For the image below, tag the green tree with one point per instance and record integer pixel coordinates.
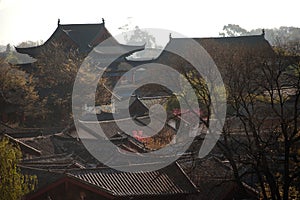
(261, 134)
(56, 70)
(233, 30)
(137, 36)
(262, 131)
(283, 36)
(17, 89)
(13, 184)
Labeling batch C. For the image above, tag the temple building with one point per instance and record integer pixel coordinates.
(64, 167)
(230, 54)
(82, 39)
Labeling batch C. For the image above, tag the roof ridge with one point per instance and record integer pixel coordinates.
(241, 36)
(113, 169)
(81, 24)
(184, 173)
(48, 156)
(7, 126)
(60, 172)
(22, 143)
(114, 120)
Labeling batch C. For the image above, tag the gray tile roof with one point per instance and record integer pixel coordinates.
(167, 181)
(84, 36)
(56, 162)
(150, 101)
(218, 46)
(213, 177)
(81, 34)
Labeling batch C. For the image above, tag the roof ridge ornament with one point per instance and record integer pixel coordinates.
(58, 22)
(170, 36)
(103, 21)
(263, 32)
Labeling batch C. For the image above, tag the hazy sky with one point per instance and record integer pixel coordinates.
(22, 20)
